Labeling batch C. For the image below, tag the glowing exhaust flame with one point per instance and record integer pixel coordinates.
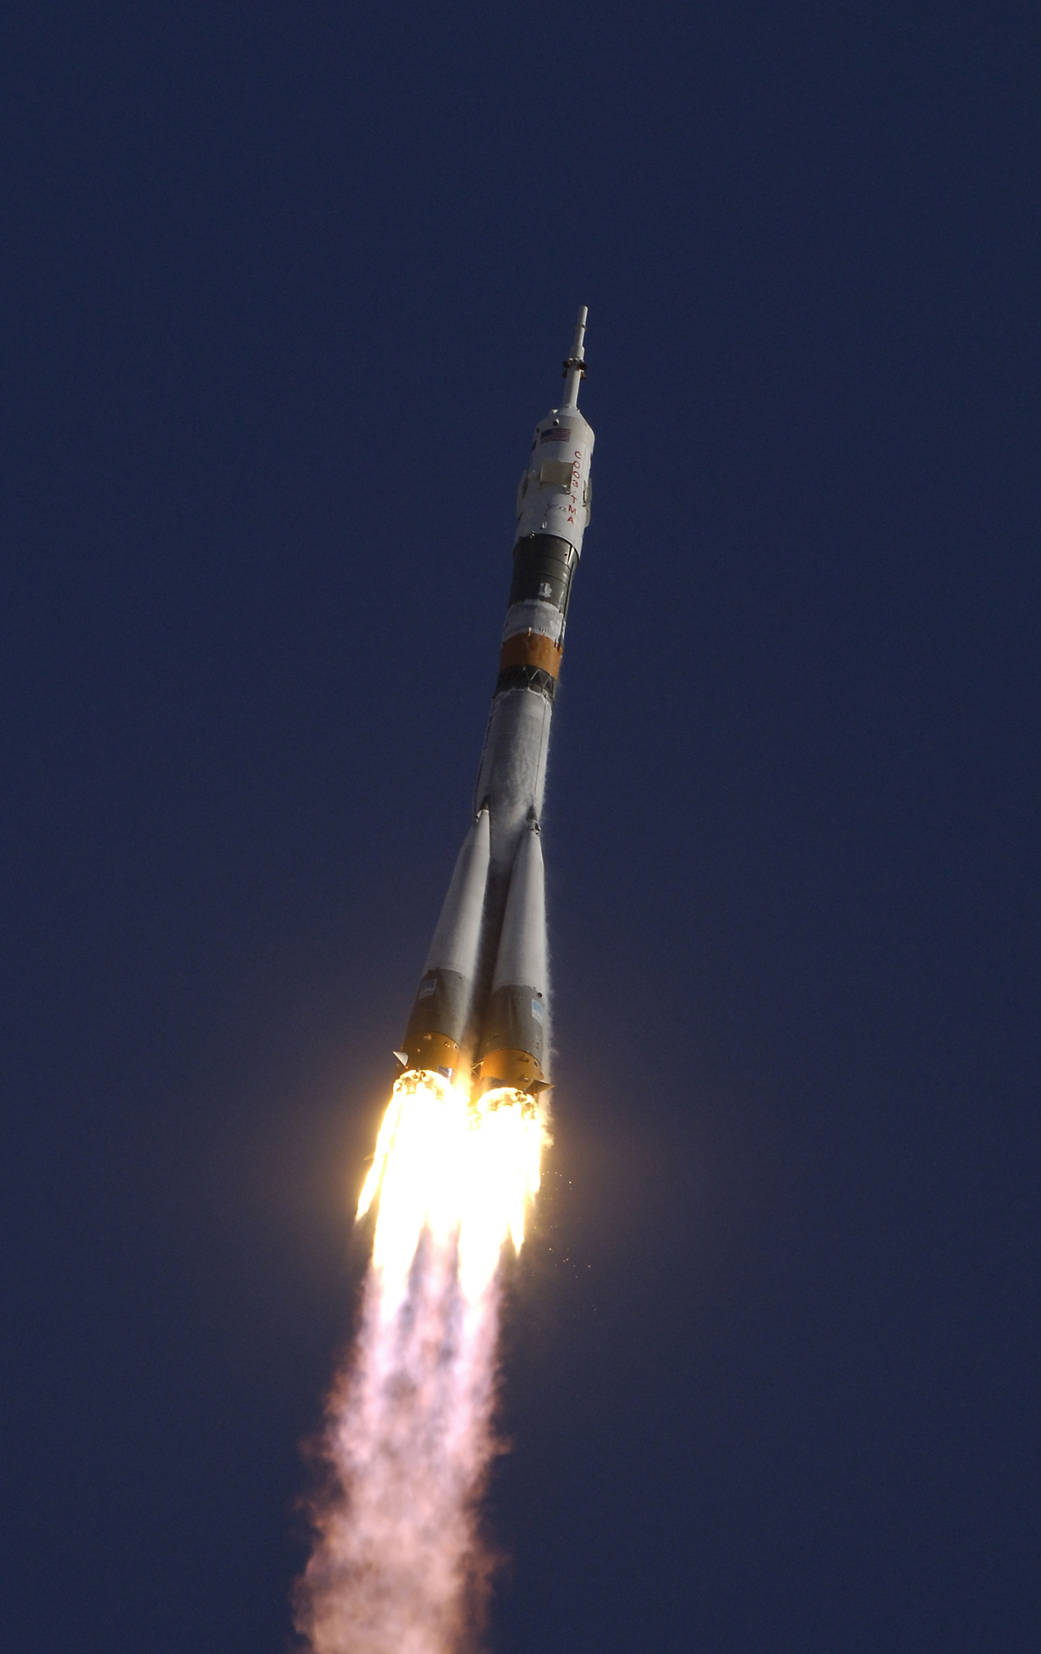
(455, 1168)
(397, 1566)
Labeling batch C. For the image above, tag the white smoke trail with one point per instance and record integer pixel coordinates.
(398, 1565)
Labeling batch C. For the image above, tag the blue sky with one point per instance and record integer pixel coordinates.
(291, 286)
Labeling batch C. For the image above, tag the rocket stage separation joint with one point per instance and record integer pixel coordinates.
(481, 1012)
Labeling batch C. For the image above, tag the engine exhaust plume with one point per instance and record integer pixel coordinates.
(399, 1565)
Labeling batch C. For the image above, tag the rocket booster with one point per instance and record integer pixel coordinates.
(481, 1012)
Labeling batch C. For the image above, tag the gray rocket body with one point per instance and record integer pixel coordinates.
(481, 1014)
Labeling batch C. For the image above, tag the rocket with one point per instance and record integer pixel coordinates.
(481, 1013)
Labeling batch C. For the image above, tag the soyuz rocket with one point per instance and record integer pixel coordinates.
(481, 1012)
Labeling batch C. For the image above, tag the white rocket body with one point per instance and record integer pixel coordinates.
(504, 1028)
(554, 492)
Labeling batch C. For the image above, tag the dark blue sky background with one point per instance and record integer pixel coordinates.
(290, 287)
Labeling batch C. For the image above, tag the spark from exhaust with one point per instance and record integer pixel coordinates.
(398, 1564)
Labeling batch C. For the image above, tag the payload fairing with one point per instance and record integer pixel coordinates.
(481, 1012)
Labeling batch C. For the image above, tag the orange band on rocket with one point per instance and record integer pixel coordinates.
(532, 649)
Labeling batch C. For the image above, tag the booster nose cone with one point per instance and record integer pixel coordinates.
(515, 1040)
(439, 1025)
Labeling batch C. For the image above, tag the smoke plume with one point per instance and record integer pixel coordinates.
(398, 1564)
